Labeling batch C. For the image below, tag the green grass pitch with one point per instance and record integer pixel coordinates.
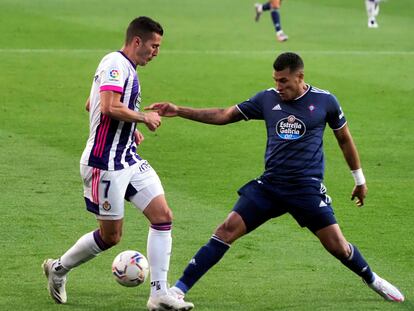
(213, 54)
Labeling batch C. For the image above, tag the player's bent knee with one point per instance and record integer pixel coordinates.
(339, 249)
(228, 233)
(334, 242)
(158, 211)
(161, 216)
(344, 251)
(223, 234)
(166, 217)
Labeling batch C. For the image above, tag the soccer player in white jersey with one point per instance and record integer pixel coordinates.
(372, 7)
(111, 170)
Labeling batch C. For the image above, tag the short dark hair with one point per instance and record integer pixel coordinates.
(143, 27)
(288, 60)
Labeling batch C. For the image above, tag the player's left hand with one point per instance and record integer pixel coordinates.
(139, 137)
(359, 192)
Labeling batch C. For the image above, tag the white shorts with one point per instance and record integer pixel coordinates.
(105, 191)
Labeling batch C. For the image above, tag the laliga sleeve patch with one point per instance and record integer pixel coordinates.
(113, 75)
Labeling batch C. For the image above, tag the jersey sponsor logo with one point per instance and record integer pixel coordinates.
(290, 128)
(114, 75)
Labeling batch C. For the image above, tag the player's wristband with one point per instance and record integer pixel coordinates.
(358, 177)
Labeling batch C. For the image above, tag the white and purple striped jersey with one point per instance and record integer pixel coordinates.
(111, 143)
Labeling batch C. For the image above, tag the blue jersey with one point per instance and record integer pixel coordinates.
(294, 150)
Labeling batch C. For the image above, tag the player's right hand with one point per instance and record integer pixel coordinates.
(152, 120)
(164, 109)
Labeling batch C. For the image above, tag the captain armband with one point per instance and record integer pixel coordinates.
(358, 177)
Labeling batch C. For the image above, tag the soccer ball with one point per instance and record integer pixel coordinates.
(130, 268)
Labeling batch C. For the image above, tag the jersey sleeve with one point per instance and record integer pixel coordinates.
(113, 75)
(252, 109)
(335, 116)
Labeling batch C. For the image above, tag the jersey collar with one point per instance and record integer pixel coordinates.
(306, 92)
(124, 55)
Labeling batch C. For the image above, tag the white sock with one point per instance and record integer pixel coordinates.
(83, 250)
(370, 6)
(159, 253)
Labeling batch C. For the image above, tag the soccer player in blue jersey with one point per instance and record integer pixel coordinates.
(295, 115)
(112, 170)
(273, 6)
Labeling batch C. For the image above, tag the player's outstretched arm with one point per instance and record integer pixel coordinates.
(347, 145)
(164, 109)
(216, 116)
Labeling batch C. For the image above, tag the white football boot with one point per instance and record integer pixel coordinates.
(259, 10)
(386, 290)
(281, 36)
(372, 22)
(173, 301)
(55, 283)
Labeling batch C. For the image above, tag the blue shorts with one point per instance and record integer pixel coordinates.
(261, 200)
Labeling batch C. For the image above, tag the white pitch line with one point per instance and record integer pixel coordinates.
(322, 52)
(40, 51)
(326, 52)
(211, 52)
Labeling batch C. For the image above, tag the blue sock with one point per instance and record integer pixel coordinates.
(206, 257)
(266, 6)
(357, 264)
(276, 19)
